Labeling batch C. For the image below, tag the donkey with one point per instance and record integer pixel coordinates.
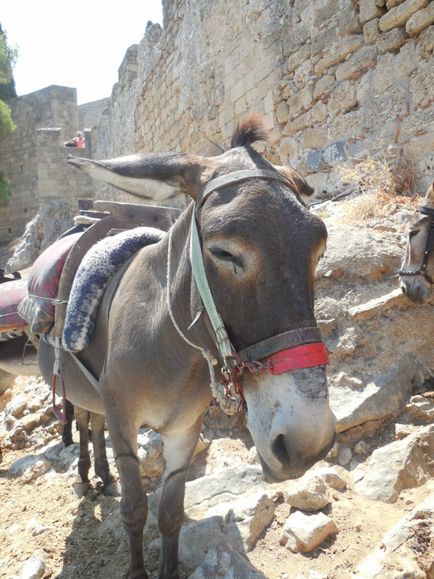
(417, 266)
(255, 247)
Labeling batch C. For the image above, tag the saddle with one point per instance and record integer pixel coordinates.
(28, 304)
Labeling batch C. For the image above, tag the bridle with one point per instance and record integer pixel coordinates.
(291, 350)
(428, 246)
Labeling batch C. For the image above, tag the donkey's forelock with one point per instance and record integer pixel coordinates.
(248, 131)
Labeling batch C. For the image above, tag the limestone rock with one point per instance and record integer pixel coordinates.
(398, 15)
(308, 493)
(393, 300)
(30, 467)
(332, 477)
(401, 464)
(225, 563)
(420, 20)
(17, 406)
(33, 568)
(421, 408)
(383, 396)
(30, 421)
(54, 217)
(302, 533)
(369, 10)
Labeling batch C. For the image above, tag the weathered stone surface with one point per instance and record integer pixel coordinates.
(323, 85)
(393, 300)
(33, 568)
(54, 217)
(420, 20)
(421, 407)
(309, 493)
(401, 464)
(370, 31)
(30, 421)
(426, 43)
(398, 15)
(366, 255)
(17, 406)
(338, 53)
(225, 563)
(357, 64)
(30, 467)
(332, 477)
(391, 41)
(342, 99)
(303, 533)
(383, 396)
(369, 10)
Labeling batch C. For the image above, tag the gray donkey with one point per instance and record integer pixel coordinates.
(225, 297)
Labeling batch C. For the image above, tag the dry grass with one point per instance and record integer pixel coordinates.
(385, 183)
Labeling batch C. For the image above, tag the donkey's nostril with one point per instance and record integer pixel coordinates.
(403, 289)
(280, 451)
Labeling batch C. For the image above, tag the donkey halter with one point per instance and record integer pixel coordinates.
(291, 350)
(428, 246)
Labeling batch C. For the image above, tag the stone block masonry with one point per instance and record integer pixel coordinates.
(333, 79)
(344, 71)
(34, 160)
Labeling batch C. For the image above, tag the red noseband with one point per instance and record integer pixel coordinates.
(306, 356)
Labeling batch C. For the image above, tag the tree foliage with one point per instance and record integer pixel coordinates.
(5, 191)
(8, 57)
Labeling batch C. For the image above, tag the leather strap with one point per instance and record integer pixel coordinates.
(280, 342)
(238, 177)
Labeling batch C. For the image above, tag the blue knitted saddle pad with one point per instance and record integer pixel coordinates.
(98, 266)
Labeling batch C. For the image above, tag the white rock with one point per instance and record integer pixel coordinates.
(401, 464)
(30, 467)
(17, 406)
(34, 568)
(345, 455)
(332, 477)
(309, 493)
(303, 533)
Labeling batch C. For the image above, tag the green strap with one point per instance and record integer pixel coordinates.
(196, 259)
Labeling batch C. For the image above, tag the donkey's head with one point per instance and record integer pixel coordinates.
(260, 246)
(417, 267)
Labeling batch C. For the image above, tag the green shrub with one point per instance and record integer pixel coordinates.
(5, 191)
(7, 125)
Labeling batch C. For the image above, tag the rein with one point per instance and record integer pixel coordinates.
(428, 246)
(285, 352)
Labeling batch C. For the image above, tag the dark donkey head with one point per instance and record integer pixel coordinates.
(260, 247)
(417, 267)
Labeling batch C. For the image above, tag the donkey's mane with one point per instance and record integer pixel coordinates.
(248, 131)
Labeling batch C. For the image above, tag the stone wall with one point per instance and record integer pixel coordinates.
(334, 80)
(33, 158)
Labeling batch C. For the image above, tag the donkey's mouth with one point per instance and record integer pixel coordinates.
(288, 471)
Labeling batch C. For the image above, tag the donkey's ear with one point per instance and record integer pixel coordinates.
(429, 196)
(298, 182)
(157, 176)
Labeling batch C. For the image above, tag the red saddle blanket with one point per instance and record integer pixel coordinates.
(11, 294)
(37, 307)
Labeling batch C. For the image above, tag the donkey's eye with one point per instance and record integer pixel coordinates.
(224, 255)
(412, 233)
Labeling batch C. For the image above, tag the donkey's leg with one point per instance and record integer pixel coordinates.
(67, 429)
(134, 503)
(81, 483)
(177, 451)
(111, 487)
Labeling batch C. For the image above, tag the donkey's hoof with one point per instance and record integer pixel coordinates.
(80, 488)
(112, 489)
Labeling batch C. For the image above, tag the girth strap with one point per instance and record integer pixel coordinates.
(279, 342)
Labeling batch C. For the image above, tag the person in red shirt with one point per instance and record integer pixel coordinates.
(78, 141)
